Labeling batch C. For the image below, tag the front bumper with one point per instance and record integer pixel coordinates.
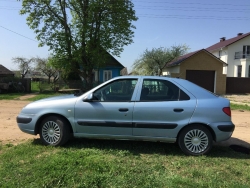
(26, 124)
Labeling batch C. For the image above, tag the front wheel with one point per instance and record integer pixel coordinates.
(195, 140)
(54, 130)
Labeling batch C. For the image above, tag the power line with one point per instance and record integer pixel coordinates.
(193, 17)
(190, 9)
(155, 2)
(18, 34)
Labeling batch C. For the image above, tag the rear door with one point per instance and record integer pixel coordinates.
(162, 109)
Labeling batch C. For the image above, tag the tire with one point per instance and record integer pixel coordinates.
(54, 131)
(195, 140)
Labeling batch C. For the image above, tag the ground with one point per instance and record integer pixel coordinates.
(10, 132)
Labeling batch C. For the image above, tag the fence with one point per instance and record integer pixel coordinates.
(43, 85)
(238, 85)
(25, 82)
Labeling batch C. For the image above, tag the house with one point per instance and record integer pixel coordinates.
(200, 67)
(4, 72)
(236, 53)
(111, 69)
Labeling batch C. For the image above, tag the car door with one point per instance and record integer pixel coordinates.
(161, 109)
(110, 113)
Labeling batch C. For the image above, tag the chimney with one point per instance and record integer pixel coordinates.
(239, 34)
(222, 39)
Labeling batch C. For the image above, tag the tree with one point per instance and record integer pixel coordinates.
(81, 31)
(44, 65)
(24, 65)
(153, 61)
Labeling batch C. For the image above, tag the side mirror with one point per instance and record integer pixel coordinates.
(89, 98)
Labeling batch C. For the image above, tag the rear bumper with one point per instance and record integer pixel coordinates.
(226, 128)
(223, 130)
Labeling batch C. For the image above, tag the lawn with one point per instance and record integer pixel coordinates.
(10, 96)
(239, 107)
(107, 163)
(16, 96)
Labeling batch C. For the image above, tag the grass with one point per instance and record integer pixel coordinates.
(13, 96)
(44, 95)
(107, 163)
(239, 107)
(10, 96)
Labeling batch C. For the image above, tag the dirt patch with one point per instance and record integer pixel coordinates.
(239, 99)
(10, 133)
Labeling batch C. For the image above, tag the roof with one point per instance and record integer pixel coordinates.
(5, 71)
(179, 60)
(112, 62)
(225, 43)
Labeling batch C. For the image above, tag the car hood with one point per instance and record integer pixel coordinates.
(53, 104)
(62, 97)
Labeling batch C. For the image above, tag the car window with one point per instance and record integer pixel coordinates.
(117, 91)
(161, 90)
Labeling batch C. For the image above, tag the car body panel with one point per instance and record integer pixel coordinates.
(104, 118)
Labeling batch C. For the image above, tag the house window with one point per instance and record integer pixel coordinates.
(246, 52)
(220, 53)
(239, 71)
(107, 75)
(95, 76)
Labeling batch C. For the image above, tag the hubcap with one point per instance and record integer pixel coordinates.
(196, 141)
(51, 132)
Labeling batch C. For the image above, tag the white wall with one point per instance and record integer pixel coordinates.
(233, 63)
(167, 71)
(223, 57)
(227, 55)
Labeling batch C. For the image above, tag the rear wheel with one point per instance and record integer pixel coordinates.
(54, 130)
(195, 140)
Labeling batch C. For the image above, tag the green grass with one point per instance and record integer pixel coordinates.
(10, 96)
(107, 163)
(239, 107)
(43, 96)
(35, 86)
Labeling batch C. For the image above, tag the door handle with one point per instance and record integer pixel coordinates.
(123, 109)
(178, 110)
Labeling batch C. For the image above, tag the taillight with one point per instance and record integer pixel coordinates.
(227, 111)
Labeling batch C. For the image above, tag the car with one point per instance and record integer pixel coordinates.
(147, 108)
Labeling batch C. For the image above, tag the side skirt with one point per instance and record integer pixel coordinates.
(124, 137)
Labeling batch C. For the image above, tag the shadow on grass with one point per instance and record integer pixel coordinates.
(144, 147)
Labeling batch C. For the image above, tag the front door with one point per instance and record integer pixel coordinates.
(111, 111)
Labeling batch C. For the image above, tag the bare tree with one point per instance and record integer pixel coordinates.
(43, 65)
(24, 65)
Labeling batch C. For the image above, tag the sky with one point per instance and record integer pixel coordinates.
(162, 23)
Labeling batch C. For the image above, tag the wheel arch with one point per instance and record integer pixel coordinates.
(205, 125)
(51, 114)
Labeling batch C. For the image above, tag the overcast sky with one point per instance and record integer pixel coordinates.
(161, 23)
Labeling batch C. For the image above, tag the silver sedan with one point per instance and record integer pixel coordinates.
(134, 108)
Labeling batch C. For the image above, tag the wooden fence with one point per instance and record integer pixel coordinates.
(237, 85)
